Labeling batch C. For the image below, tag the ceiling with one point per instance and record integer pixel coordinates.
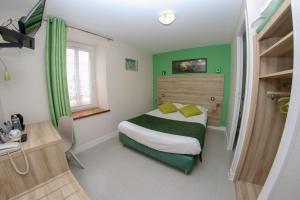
(199, 22)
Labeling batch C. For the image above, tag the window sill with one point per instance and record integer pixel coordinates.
(88, 112)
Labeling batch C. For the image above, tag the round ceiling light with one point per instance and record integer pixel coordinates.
(166, 17)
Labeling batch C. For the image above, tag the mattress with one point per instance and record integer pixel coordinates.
(162, 141)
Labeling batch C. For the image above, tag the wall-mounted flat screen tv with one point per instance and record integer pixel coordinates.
(31, 23)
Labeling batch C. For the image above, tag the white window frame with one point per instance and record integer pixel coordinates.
(91, 50)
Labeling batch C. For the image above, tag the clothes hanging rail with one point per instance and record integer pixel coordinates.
(107, 38)
(278, 94)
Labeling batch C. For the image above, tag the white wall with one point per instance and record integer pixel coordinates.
(1, 114)
(26, 93)
(129, 93)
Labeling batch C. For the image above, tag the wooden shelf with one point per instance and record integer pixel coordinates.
(282, 74)
(279, 94)
(283, 47)
(280, 24)
(88, 112)
(273, 60)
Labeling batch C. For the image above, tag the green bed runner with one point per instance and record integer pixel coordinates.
(189, 129)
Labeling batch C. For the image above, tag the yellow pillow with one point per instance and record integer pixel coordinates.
(190, 110)
(167, 108)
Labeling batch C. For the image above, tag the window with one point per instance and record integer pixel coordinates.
(81, 77)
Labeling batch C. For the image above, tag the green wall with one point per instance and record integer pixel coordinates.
(217, 56)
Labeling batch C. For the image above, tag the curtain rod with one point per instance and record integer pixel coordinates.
(110, 39)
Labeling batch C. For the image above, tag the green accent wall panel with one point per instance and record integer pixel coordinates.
(217, 56)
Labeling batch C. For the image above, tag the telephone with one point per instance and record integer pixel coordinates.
(9, 147)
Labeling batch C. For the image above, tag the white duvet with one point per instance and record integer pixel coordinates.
(165, 142)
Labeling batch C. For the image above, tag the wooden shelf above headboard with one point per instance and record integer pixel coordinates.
(201, 89)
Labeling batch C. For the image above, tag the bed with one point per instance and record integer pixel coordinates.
(171, 138)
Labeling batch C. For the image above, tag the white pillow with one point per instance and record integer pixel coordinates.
(178, 105)
(203, 109)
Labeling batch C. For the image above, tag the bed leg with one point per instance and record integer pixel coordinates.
(186, 172)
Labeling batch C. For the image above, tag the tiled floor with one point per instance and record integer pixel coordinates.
(114, 172)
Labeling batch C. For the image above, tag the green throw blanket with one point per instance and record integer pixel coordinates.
(189, 129)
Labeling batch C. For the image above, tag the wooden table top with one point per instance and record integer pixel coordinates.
(61, 187)
(39, 135)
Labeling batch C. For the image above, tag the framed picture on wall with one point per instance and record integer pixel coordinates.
(190, 66)
(131, 64)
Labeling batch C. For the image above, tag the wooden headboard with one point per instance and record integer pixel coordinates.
(202, 89)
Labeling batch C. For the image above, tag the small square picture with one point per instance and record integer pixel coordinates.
(131, 64)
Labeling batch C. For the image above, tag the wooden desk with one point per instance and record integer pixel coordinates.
(45, 151)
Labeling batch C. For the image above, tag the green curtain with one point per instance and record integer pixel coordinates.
(56, 70)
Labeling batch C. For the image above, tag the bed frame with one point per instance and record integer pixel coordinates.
(182, 162)
(202, 89)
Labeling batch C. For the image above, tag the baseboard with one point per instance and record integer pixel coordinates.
(231, 175)
(218, 128)
(95, 142)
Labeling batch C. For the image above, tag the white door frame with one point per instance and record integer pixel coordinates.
(247, 103)
(239, 83)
